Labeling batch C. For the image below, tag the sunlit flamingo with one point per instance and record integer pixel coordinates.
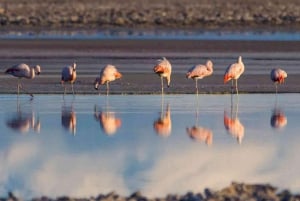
(163, 68)
(108, 121)
(200, 71)
(23, 71)
(233, 72)
(277, 76)
(163, 125)
(108, 74)
(68, 74)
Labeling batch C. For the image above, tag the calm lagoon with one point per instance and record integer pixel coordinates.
(89, 144)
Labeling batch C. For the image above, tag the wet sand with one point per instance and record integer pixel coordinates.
(136, 58)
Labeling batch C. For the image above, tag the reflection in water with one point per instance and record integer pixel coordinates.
(278, 118)
(198, 133)
(22, 121)
(108, 120)
(163, 125)
(68, 118)
(232, 123)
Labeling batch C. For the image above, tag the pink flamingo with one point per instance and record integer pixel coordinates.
(277, 76)
(108, 74)
(23, 71)
(163, 68)
(200, 71)
(233, 72)
(68, 74)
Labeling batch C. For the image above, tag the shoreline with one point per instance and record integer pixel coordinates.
(135, 60)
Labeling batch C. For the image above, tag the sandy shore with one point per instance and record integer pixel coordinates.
(135, 59)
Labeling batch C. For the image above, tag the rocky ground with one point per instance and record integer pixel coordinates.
(234, 192)
(149, 13)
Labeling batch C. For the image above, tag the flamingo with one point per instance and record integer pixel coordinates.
(277, 76)
(108, 74)
(199, 72)
(23, 71)
(68, 74)
(233, 72)
(163, 68)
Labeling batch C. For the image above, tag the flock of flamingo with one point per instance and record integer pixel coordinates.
(163, 68)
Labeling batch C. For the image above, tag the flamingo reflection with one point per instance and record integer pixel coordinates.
(163, 125)
(278, 119)
(232, 123)
(68, 118)
(199, 133)
(23, 121)
(108, 121)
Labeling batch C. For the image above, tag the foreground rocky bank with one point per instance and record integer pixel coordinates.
(235, 191)
(149, 13)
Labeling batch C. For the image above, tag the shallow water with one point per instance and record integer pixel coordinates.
(160, 34)
(86, 145)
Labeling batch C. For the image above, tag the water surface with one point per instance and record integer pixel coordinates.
(86, 145)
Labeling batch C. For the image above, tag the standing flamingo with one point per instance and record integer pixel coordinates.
(163, 68)
(23, 71)
(200, 71)
(277, 76)
(108, 74)
(68, 74)
(233, 72)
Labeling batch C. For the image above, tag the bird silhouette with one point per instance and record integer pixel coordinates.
(107, 74)
(163, 68)
(277, 76)
(68, 74)
(233, 72)
(23, 71)
(199, 72)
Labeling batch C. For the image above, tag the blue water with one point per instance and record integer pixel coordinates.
(161, 34)
(86, 145)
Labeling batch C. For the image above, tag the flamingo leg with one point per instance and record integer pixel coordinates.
(231, 86)
(236, 87)
(197, 91)
(276, 88)
(21, 87)
(162, 85)
(72, 89)
(107, 88)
